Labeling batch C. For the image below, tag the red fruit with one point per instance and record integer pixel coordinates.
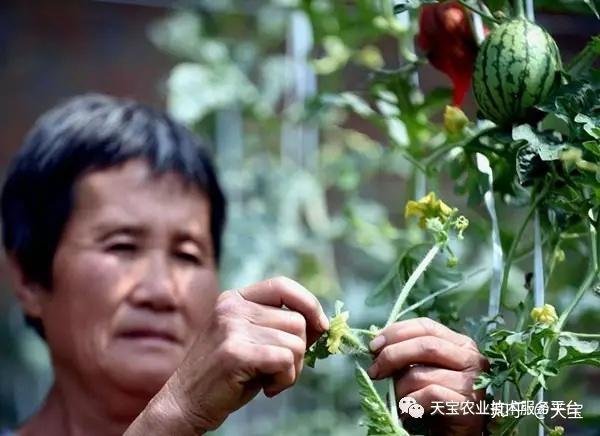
(445, 35)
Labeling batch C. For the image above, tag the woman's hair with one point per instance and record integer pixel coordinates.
(86, 133)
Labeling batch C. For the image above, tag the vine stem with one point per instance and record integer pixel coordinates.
(586, 283)
(584, 335)
(519, 9)
(515, 243)
(392, 399)
(478, 11)
(440, 292)
(440, 151)
(410, 283)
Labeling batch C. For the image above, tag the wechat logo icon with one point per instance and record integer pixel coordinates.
(410, 406)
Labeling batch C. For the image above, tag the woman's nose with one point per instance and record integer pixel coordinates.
(156, 287)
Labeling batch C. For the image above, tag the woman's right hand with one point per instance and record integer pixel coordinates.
(256, 340)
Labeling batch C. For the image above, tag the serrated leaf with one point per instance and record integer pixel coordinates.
(529, 165)
(581, 346)
(570, 100)
(591, 125)
(378, 419)
(546, 149)
(317, 351)
(385, 289)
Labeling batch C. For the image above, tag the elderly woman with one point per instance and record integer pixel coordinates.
(112, 221)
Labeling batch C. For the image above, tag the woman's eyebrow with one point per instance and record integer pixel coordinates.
(106, 230)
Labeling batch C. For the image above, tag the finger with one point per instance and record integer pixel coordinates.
(280, 319)
(413, 328)
(278, 364)
(419, 377)
(260, 335)
(436, 393)
(281, 291)
(426, 350)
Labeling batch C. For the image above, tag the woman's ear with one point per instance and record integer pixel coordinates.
(27, 292)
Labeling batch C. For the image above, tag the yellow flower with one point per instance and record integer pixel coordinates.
(428, 207)
(545, 314)
(338, 328)
(370, 57)
(455, 120)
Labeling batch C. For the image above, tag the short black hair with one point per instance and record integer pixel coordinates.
(82, 134)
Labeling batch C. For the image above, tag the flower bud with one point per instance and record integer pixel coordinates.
(544, 315)
(455, 120)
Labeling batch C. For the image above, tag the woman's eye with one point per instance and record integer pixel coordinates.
(188, 257)
(122, 247)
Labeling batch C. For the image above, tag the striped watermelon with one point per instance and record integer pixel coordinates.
(515, 69)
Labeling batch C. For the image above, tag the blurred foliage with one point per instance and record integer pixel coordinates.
(336, 223)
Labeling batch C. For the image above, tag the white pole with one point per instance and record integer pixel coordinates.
(483, 165)
(538, 286)
(538, 263)
(404, 19)
(299, 143)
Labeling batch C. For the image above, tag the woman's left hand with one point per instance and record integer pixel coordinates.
(432, 363)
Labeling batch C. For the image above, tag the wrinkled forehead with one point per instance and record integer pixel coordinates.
(133, 194)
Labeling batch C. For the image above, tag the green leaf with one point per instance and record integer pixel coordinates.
(570, 342)
(592, 359)
(482, 381)
(585, 58)
(385, 291)
(544, 146)
(378, 419)
(529, 165)
(591, 125)
(592, 146)
(496, 5)
(317, 351)
(567, 101)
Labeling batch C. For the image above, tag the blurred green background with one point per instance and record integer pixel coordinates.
(316, 193)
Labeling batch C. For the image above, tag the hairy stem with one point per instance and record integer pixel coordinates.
(392, 397)
(410, 283)
(440, 292)
(440, 151)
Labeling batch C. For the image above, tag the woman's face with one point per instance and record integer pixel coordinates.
(134, 278)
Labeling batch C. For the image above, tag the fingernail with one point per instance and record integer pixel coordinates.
(324, 322)
(372, 371)
(377, 343)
